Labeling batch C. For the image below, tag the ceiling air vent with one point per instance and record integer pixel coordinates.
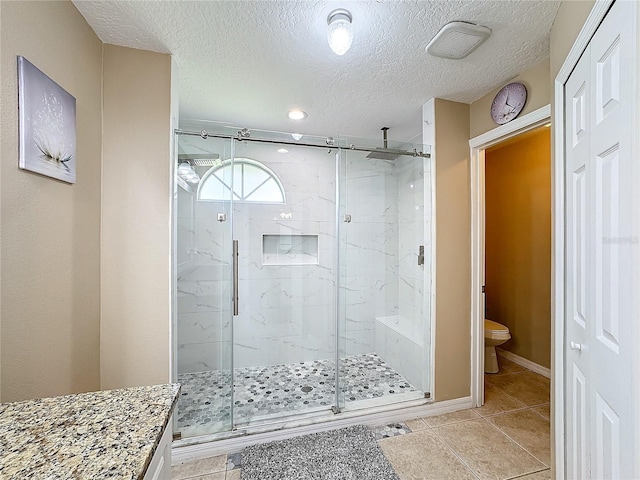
(456, 40)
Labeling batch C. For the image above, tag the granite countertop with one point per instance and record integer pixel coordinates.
(108, 434)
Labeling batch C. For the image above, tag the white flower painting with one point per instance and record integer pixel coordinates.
(47, 124)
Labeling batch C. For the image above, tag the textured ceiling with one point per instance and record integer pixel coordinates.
(249, 62)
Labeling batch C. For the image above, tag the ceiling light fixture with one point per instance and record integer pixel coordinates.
(456, 40)
(339, 31)
(297, 114)
(187, 173)
(184, 168)
(296, 136)
(283, 150)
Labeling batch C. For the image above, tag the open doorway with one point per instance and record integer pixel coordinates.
(511, 279)
(518, 253)
(495, 143)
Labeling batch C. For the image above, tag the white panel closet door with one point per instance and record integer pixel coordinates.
(578, 237)
(602, 250)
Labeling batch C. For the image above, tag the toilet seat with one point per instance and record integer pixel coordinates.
(495, 330)
(494, 327)
(494, 334)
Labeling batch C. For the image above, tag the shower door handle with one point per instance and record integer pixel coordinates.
(235, 278)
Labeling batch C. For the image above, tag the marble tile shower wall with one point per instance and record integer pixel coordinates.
(204, 295)
(287, 311)
(411, 235)
(186, 234)
(405, 347)
(370, 274)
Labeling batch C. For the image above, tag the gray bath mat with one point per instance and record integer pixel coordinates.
(350, 453)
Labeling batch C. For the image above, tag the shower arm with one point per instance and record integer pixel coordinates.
(204, 134)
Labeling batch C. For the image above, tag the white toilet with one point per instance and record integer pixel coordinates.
(494, 334)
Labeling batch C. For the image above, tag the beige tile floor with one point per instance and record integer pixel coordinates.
(509, 437)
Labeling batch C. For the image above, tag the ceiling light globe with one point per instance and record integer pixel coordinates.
(339, 31)
(184, 168)
(297, 114)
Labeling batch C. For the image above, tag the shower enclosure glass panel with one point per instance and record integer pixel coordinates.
(284, 333)
(203, 293)
(384, 354)
(329, 292)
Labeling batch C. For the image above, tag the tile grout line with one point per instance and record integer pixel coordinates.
(519, 409)
(541, 405)
(455, 422)
(518, 444)
(480, 417)
(514, 398)
(526, 370)
(527, 474)
(455, 454)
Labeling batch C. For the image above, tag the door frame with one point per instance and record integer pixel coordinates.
(558, 225)
(478, 146)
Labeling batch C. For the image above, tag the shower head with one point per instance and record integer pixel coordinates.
(384, 153)
(199, 159)
(379, 154)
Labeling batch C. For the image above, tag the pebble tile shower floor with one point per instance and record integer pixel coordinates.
(263, 392)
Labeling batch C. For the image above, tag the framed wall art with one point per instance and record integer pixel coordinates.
(47, 122)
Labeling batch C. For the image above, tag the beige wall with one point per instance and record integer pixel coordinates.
(536, 79)
(453, 251)
(455, 178)
(50, 237)
(136, 217)
(568, 23)
(518, 243)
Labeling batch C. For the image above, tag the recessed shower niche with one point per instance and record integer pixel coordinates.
(285, 249)
(293, 257)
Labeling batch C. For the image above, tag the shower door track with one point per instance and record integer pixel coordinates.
(231, 442)
(317, 421)
(204, 134)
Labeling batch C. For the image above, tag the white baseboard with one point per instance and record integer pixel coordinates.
(182, 452)
(534, 367)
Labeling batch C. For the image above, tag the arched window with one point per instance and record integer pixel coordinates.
(252, 182)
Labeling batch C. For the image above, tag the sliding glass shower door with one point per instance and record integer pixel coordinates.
(300, 279)
(203, 284)
(284, 343)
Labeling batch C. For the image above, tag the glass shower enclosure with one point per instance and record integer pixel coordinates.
(302, 278)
